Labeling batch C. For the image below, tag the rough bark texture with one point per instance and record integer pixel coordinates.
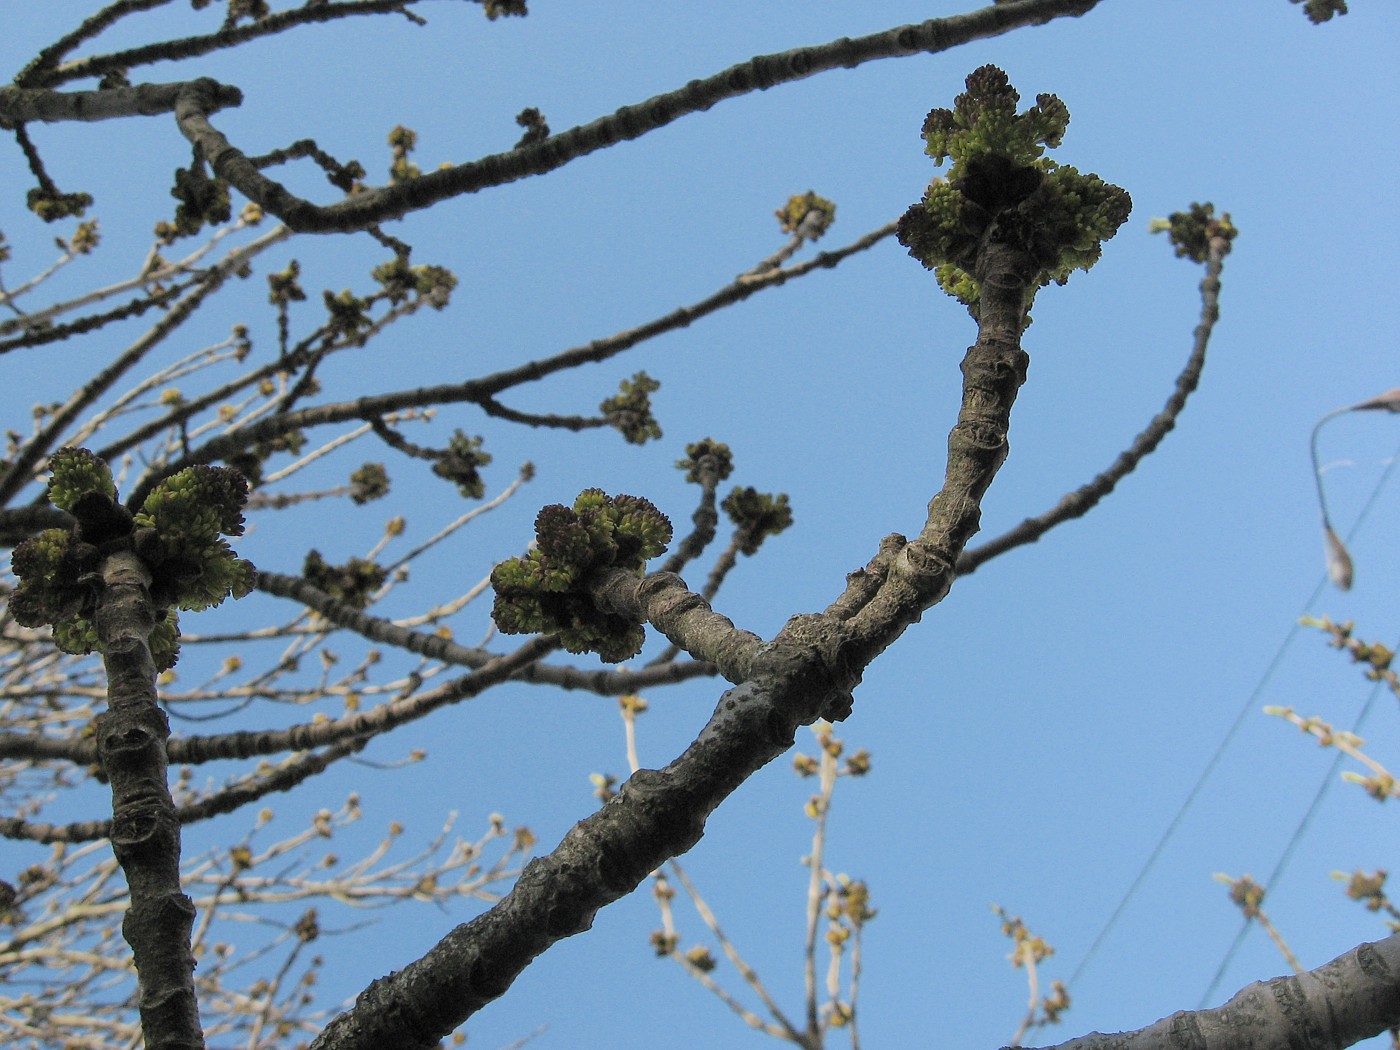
(131, 738)
(1353, 997)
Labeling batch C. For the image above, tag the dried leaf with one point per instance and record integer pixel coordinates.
(1338, 560)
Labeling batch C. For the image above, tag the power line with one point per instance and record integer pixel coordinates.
(1245, 709)
(1328, 778)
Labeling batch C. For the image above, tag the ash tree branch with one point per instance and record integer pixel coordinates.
(20, 470)
(602, 681)
(475, 390)
(226, 800)
(629, 122)
(20, 105)
(806, 672)
(361, 725)
(145, 833)
(90, 28)
(1079, 502)
(39, 335)
(1353, 997)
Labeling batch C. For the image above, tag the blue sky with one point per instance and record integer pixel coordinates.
(1036, 733)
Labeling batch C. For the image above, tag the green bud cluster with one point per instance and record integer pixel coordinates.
(283, 286)
(369, 483)
(176, 534)
(460, 462)
(694, 453)
(1192, 231)
(203, 200)
(352, 583)
(503, 8)
(1001, 185)
(51, 206)
(757, 515)
(630, 410)
(403, 141)
(347, 311)
(75, 472)
(807, 214)
(400, 280)
(1319, 11)
(545, 591)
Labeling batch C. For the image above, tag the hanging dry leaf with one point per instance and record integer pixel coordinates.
(1338, 560)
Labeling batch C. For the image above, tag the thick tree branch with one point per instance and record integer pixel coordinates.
(921, 572)
(131, 737)
(806, 672)
(19, 105)
(1353, 997)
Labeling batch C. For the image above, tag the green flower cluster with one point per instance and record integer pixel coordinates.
(545, 591)
(1001, 185)
(1319, 11)
(203, 200)
(694, 453)
(176, 534)
(807, 214)
(193, 568)
(352, 583)
(369, 483)
(630, 410)
(1191, 231)
(50, 205)
(57, 586)
(756, 515)
(75, 473)
(400, 280)
(347, 313)
(460, 462)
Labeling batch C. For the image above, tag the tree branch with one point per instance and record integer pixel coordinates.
(805, 673)
(629, 122)
(1079, 502)
(1351, 998)
(131, 738)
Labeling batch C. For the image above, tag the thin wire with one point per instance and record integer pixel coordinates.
(1245, 709)
(1328, 779)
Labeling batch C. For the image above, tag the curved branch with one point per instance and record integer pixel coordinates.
(1079, 502)
(90, 27)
